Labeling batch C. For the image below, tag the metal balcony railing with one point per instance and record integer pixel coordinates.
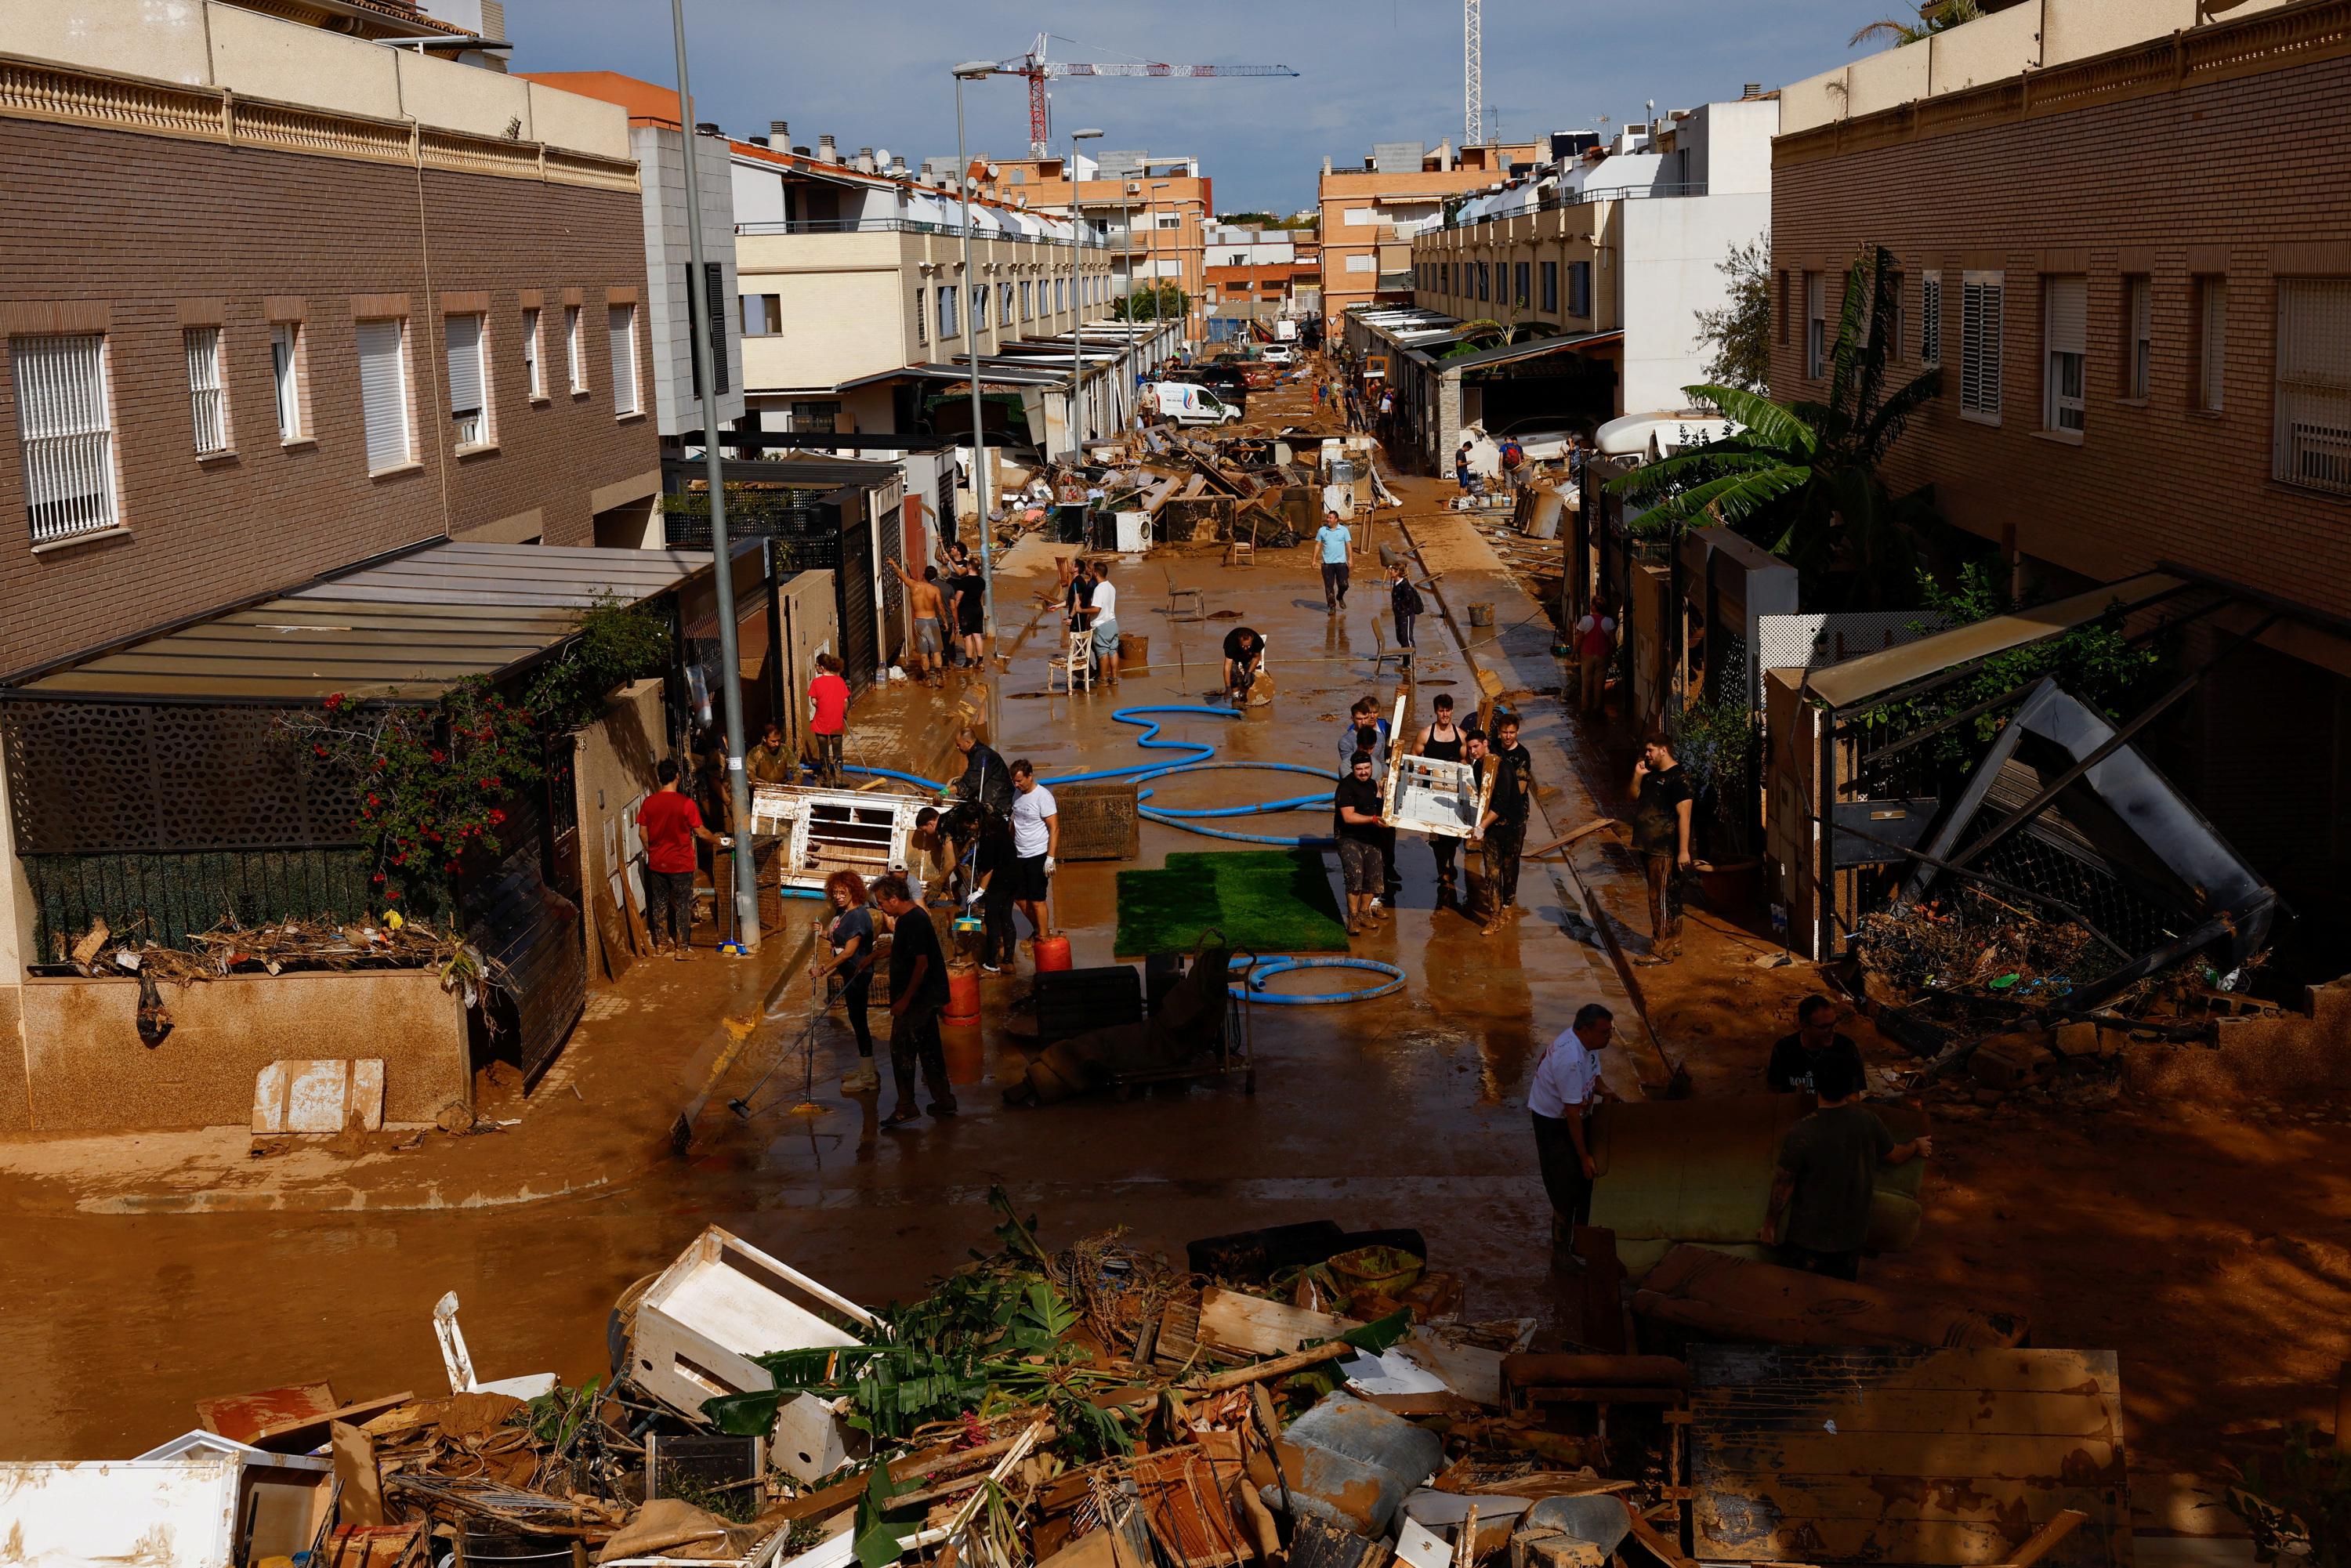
(906, 226)
(1560, 202)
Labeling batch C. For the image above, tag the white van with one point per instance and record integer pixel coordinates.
(1188, 403)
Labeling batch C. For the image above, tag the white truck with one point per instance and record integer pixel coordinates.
(1188, 403)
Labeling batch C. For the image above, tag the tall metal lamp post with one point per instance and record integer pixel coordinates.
(1157, 185)
(1077, 296)
(983, 471)
(730, 684)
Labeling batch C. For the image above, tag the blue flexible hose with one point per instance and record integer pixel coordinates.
(1257, 971)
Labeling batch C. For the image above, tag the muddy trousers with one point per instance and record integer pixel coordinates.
(669, 904)
(1563, 1180)
(1447, 850)
(827, 757)
(914, 1042)
(1664, 903)
(1334, 584)
(1503, 843)
(856, 996)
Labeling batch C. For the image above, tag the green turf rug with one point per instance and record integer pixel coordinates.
(1269, 900)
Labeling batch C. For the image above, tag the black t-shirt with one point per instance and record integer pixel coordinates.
(996, 855)
(1834, 1155)
(1364, 795)
(1513, 784)
(1405, 596)
(1233, 649)
(912, 937)
(855, 923)
(1656, 825)
(1791, 1065)
(971, 606)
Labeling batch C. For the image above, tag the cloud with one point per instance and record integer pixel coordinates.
(876, 75)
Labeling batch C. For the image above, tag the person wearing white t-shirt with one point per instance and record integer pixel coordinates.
(1565, 1087)
(1036, 840)
(1105, 624)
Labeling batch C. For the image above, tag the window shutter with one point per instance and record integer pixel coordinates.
(2066, 301)
(69, 438)
(621, 321)
(2314, 382)
(2213, 371)
(714, 278)
(1979, 343)
(1930, 319)
(286, 376)
(383, 394)
(464, 365)
(206, 402)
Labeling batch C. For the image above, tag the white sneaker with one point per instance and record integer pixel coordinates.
(862, 1078)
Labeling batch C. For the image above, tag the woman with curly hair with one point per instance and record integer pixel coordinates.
(850, 934)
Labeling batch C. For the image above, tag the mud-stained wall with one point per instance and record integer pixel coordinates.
(86, 1071)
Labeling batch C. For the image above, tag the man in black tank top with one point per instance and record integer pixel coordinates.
(1443, 739)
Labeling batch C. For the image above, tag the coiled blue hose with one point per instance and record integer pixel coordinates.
(1255, 972)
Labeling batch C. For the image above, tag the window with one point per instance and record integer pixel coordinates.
(922, 314)
(763, 315)
(2138, 336)
(1061, 295)
(1358, 216)
(469, 381)
(534, 373)
(575, 350)
(1981, 298)
(980, 306)
(1004, 305)
(2313, 383)
(383, 394)
(208, 404)
(1520, 293)
(1930, 318)
(1485, 279)
(1365, 263)
(1579, 288)
(1817, 325)
(1028, 301)
(2211, 342)
(286, 378)
(1550, 288)
(622, 322)
(66, 428)
(947, 328)
(712, 343)
(2064, 333)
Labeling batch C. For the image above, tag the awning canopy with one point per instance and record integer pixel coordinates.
(412, 626)
(1528, 350)
(1875, 675)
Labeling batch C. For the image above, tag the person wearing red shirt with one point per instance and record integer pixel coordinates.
(670, 823)
(828, 716)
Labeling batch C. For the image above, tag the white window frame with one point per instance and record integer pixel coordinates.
(465, 372)
(534, 357)
(980, 293)
(2138, 336)
(403, 404)
(1930, 318)
(628, 396)
(575, 347)
(290, 382)
(1004, 301)
(1983, 301)
(2211, 391)
(2064, 355)
(207, 389)
(2312, 445)
(65, 430)
(950, 312)
(1817, 325)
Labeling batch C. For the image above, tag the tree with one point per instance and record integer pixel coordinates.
(1934, 17)
(1248, 220)
(1802, 479)
(1136, 305)
(1740, 334)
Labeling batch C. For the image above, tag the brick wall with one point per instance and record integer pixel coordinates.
(2247, 176)
(143, 230)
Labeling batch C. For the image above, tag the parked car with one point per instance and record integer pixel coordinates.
(1543, 437)
(1277, 353)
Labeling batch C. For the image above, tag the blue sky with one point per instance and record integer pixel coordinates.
(876, 74)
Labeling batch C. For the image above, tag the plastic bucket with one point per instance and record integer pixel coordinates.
(1052, 953)
(1134, 649)
(1481, 614)
(963, 996)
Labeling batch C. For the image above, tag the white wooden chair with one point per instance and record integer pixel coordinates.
(1075, 666)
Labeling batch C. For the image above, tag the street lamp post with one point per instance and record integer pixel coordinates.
(983, 471)
(730, 684)
(1157, 186)
(1077, 306)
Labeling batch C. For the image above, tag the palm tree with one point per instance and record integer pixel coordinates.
(1802, 479)
(1934, 17)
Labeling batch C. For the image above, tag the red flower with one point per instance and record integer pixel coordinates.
(439, 755)
(489, 783)
(393, 894)
(374, 801)
(381, 765)
(379, 877)
(453, 866)
(496, 816)
(319, 746)
(334, 701)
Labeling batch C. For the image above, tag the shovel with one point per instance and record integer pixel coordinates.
(1677, 1084)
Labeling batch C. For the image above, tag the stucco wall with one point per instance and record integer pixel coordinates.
(1674, 249)
(265, 56)
(612, 768)
(86, 1069)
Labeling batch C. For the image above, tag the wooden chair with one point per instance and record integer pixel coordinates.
(1074, 666)
(1382, 654)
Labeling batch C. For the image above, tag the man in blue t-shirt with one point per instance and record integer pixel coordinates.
(1336, 540)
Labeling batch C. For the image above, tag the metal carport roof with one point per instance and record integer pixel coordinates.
(411, 625)
(1527, 350)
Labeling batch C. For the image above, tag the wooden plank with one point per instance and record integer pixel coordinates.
(1957, 1498)
(241, 1416)
(1251, 1325)
(2009, 1455)
(303, 1434)
(1772, 1372)
(1976, 1412)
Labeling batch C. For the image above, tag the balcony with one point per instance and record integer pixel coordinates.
(909, 226)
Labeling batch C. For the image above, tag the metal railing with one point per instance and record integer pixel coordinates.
(1561, 202)
(909, 226)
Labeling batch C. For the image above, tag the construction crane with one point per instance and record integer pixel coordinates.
(1041, 70)
(1473, 76)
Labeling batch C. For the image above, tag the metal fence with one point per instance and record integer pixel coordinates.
(167, 897)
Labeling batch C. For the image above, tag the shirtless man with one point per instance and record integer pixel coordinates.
(930, 612)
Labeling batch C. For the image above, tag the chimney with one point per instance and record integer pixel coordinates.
(706, 128)
(779, 132)
(759, 140)
(827, 149)
(866, 160)
(1752, 89)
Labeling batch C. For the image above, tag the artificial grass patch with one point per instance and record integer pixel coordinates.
(1269, 900)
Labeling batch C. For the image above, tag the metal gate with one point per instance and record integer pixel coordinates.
(853, 601)
(893, 555)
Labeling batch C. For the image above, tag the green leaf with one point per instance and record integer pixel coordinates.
(1380, 1333)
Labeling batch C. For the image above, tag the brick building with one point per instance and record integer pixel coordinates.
(2120, 234)
(325, 300)
(1369, 216)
